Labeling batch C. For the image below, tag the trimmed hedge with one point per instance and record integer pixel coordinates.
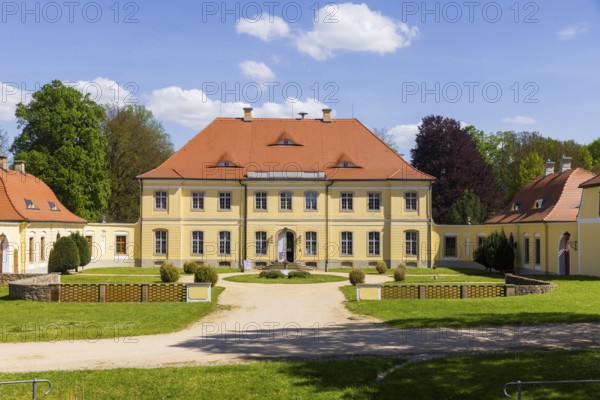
(206, 273)
(168, 273)
(381, 267)
(85, 253)
(63, 256)
(299, 274)
(400, 272)
(356, 276)
(190, 267)
(273, 274)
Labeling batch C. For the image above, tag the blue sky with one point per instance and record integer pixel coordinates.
(505, 65)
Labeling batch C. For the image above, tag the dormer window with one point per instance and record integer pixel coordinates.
(286, 139)
(539, 203)
(225, 164)
(30, 204)
(516, 206)
(346, 164)
(53, 206)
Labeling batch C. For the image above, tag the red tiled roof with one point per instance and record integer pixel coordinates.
(16, 188)
(595, 181)
(561, 195)
(322, 145)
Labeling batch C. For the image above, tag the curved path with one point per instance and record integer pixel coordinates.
(271, 321)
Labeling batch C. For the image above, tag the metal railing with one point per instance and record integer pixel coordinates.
(518, 384)
(34, 383)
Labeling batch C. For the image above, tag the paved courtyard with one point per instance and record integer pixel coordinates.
(261, 322)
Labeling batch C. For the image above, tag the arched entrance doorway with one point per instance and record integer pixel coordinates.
(286, 246)
(564, 255)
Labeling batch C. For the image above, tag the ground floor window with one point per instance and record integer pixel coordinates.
(374, 244)
(121, 245)
(197, 242)
(224, 242)
(160, 242)
(311, 243)
(411, 243)
(450, 246)
(261, 243)
(347, 243)
(526, 256)
(538, 251)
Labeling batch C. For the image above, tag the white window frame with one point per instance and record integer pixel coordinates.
(347, 201)
(285, 198)
(411, 201)
(261, 243)
(374, 196)
(311, 243)
(225, 198)
(126, 236)
(161, 245)
(374, 243)
(264, 196)
(224, 242)
(313, 196)
(411, 245)
(346, 243)
(161, 200)
(197, 243)
(198, 197)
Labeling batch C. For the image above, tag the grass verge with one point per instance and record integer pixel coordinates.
(29, 321)
(574, 300)
(419, 271)
(469, 378)
(140, 271)
(315, 278)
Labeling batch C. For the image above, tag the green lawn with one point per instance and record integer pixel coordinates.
(141, 271)
(28, 321)
(575, 300)
(419, 271)
(82, 278)
(316, 278)
(465, 378)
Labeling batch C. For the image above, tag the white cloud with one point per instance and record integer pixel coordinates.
(519, 120)
(354, 27)
(194, 109)
(572, 32)
(404, 136)
(266, 28)
(258, 71)
(10, 96)
(104, 90)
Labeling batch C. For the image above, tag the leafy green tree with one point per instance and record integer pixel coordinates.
(448, 152)
(468, 209)
(63, 256)
(62, 145)
(531, 167)
(594, 150)
(135, 143)
(497, 252)
(85, 253)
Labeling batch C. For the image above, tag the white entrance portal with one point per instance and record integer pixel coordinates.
(286, 246)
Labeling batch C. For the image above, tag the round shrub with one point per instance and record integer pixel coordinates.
(400, 272)
(356, 276)
(63, 256)
(299, 274)
(206, 273)
(85, 253)
(381, 267)
(273, 274)
(168, 273)
(190, 267)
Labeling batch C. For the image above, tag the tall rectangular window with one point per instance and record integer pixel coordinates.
(538, 251)
(42, 249)
(285, 201)
(311, 244)
(224, 242)
(450, 246)
(260, 201)
(31, 250)
(374, 201)
(121, 245)
(160, 242)
(197, 201)
(412, 243)
(197, 242)
(310, 201)
(347, 243)
(160, 200)
(347, 201)
(411, 201)
(261, 243)
(374, 244)
(224, 201)
(526, 256)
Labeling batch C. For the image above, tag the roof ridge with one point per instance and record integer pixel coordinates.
(567, 184)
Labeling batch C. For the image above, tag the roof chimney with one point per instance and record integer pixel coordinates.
(3, 162)
(548, 168)
(247, 114)
(565, 163)
(327, 115)
(20, 166)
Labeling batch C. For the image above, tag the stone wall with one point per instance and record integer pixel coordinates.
(36, 288)
(6, 278)
(524, 286)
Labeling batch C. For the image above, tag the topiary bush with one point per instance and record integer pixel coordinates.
(299, 274)
(356, 276)
(190, 267)
(168, 273)
(400, 272)
(381, 267)
(85, 253)
(497, 252)
(63, 256)
(206, 273)
(274, 274)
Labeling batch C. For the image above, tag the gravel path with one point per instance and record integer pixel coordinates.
(260, 322)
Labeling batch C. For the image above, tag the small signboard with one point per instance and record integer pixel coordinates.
(198, 292)
(247, 265)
